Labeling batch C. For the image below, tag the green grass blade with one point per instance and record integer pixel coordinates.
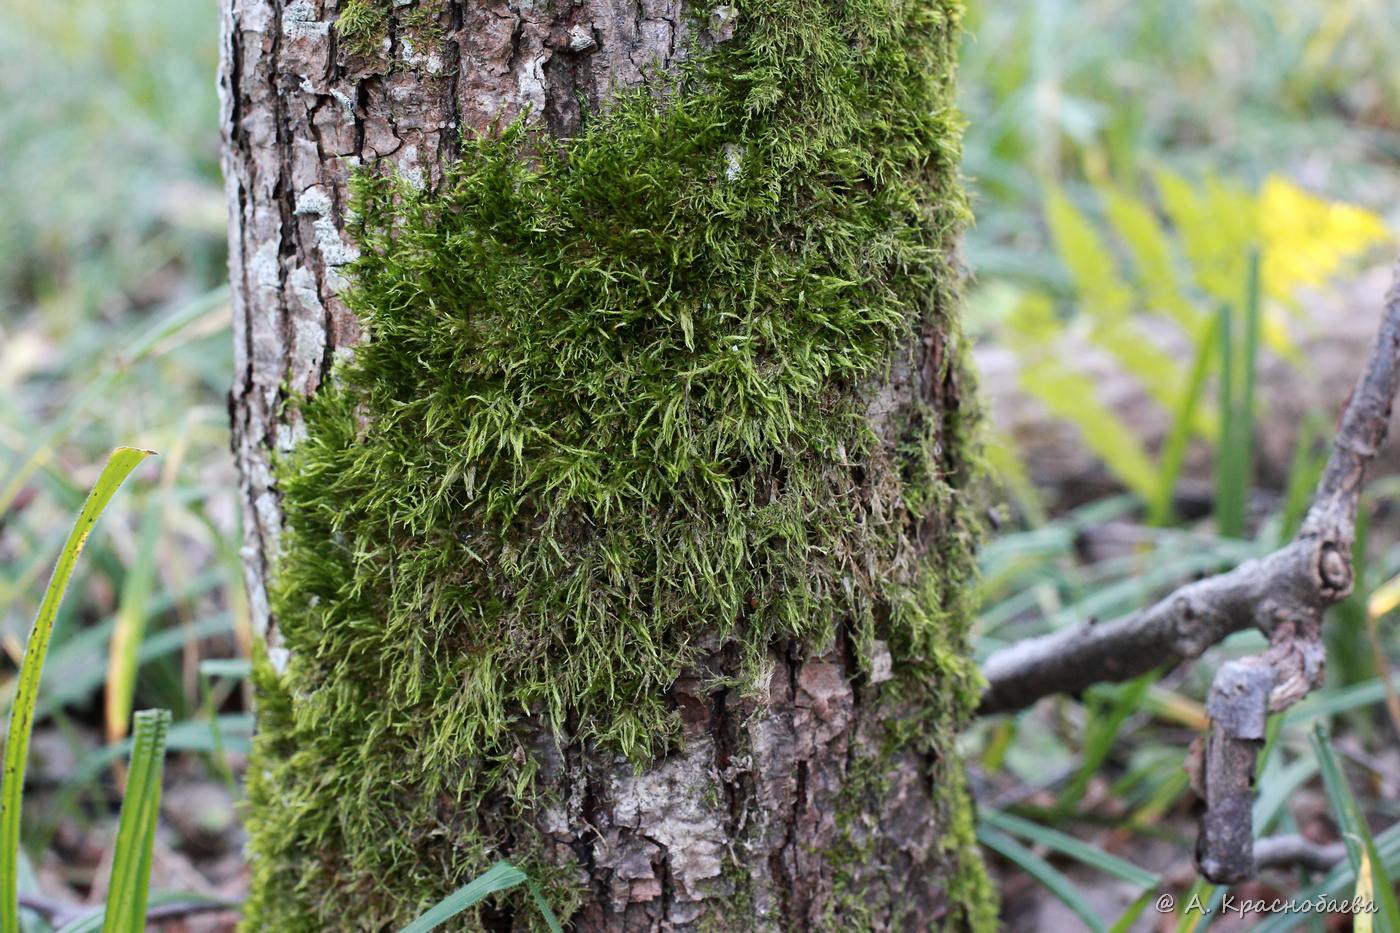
(1041, 870)
(1350, 659)
(76, 669)
(543, 907)
(1235, 452)
(1352, 823)
(1125, 922)
(1338, 793)
(1229, 504)
(1069, 846)
(1174, 451)
(30, 921)
(1276, 787)
(1200, 892)
(233, 668)
(1334, 701)
(1340, 882)
(1243, 460)
(1100, 734)
(1303, 474)
(501, 876)
(1253, 313)
(136, 832)
(119, 466)
(235, 731)
(219, 756)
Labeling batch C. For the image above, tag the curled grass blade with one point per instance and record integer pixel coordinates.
(119, 466)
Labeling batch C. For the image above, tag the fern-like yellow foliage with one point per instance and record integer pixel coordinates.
(1216, 227)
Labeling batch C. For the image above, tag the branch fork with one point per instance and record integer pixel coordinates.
(1284, 594)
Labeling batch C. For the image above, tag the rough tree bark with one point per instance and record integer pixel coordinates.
(780, 795)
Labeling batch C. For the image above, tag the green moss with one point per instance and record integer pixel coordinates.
(968, 888)
(362, 26)
(614, 401)
(423, 22)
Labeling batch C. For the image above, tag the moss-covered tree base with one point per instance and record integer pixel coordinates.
(631, 545)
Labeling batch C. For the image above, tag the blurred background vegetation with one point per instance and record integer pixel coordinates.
(1183, 219)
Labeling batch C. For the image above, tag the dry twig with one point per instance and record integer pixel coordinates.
(1288, 851)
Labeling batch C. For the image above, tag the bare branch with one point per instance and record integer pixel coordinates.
(1284, 593)
(1288, 851)
(1176, 629)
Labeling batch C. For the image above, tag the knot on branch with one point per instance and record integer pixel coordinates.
(1334, 572)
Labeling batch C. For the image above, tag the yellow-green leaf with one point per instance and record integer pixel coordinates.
(1362, 920)
(1102, 291)
(1151, 250)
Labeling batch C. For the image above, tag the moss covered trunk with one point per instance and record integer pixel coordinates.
(603, 443)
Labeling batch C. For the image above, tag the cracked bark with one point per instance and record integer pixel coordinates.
(749, 808)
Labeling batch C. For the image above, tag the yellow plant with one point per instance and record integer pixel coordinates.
(1307, 239)
(1185, 262)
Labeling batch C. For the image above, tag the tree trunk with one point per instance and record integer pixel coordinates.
(603, 438)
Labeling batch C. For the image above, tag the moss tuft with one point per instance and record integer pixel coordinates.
(362, 26)
(615, 401)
